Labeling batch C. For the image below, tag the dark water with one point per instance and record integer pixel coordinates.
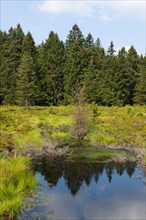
(80, 190)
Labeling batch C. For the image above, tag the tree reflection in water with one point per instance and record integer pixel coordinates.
(77, 173)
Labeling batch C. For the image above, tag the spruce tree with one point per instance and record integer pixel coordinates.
(107, 80)
(89, 42)
(41, 76)
(133, 58)
(12, 53)
(3, 49)
(140, 89)
(28, 45)
(111, 50)
(125, 83)
(51, 64)
(91, 83)
(99, 49)
(122, 53)
(74, 62)
(26, 81)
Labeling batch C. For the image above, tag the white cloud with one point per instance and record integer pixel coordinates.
(75, 7)
(126, 48)
(104, 10)
(105, 15)
(119, 48)
(123, 9)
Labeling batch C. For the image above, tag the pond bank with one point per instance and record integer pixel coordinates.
(86, 152)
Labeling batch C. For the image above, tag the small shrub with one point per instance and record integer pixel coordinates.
(82, 116)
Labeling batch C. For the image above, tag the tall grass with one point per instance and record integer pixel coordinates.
(15, 182)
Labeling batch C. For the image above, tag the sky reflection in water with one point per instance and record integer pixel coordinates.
(89, 191)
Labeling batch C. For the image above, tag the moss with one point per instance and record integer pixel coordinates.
(92, 154)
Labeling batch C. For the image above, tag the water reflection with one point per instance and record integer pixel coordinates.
(77, 173)
(83, 191)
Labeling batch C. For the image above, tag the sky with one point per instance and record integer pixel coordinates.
(122, 22)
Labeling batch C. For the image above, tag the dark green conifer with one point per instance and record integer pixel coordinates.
(111, 50)
(140, 89)
(12, 53)
(28, 45)
(26, 81)
(75, 62)
(51, 63)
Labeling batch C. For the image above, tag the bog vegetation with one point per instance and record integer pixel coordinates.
(108, 126)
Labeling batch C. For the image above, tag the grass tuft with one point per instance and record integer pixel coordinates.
(15, 181)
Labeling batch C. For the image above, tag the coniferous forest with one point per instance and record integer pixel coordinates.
(49, 73)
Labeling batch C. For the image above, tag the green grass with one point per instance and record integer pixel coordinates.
(119, 125)
(15, 182)
(32, 137)
(22, 127)
(111, 125)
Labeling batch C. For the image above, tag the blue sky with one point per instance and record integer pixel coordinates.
(123, 22)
